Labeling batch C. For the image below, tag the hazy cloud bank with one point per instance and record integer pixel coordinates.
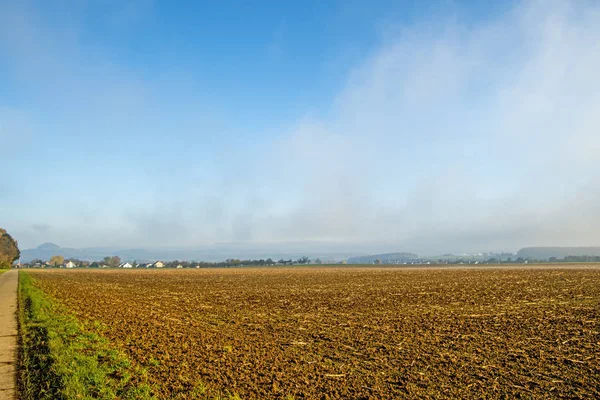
(455, 137)
(448, 137)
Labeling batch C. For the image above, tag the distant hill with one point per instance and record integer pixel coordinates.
(387, 257)
(545, 253)
(47, 250)
(211, 253)
(48, 247)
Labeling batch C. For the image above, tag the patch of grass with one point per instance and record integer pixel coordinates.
(3, 270)
(153, 362)
(61, 359)
(227, 348)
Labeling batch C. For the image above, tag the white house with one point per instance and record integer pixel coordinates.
(70, 264)
(126, 265)
(159, 264)
(179, 266)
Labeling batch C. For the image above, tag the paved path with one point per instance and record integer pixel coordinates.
(8, 334)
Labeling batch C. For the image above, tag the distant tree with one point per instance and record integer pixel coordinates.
(9, 250)
(112, 262)
(115, 261)
(378, 261)
(270, 261)
(318, 261)
(57, 260)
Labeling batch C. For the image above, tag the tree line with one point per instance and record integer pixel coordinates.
(115, 261)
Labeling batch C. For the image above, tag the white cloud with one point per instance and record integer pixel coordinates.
(448, 137)
(458, 138)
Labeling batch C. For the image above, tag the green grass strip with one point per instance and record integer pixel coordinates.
(61, 359)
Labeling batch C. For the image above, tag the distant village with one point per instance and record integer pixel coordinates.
(116, 262)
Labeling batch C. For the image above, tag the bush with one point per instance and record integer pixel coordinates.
(9, 250)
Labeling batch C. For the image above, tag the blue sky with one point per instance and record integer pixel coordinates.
(394, 125)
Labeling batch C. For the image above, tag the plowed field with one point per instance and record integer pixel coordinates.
(349, 332)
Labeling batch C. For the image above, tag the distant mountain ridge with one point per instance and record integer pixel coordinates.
(47, 250)
(214, 253)
(545, 253)
(387, 257)
(221, 252)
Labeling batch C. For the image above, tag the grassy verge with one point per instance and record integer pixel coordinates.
(61, 359)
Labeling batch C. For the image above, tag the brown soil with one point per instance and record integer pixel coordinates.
(348, 332)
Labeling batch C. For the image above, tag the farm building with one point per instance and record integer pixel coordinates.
(126, 265)
(70, 264)
(159, 264)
